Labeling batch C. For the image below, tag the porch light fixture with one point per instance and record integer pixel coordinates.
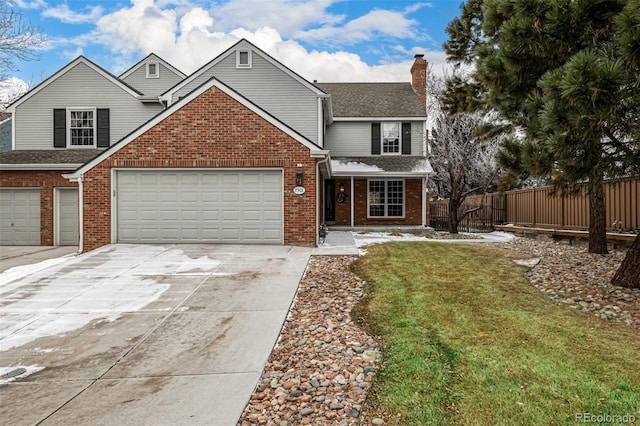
(341, 188)
(298, 178)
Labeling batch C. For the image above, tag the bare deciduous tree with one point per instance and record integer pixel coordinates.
(463, 162)
(19, 41)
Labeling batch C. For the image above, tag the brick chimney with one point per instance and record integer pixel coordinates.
(419, 78)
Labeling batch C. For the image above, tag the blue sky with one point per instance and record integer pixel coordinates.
(327, 40)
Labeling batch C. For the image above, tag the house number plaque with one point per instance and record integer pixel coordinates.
(299, 190)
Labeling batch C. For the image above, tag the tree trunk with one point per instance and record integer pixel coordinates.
(628, 274)
(454, 206)
(597, 216)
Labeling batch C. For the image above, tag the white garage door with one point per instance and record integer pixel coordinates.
(19, 217)
(199, 206)
(67, 219)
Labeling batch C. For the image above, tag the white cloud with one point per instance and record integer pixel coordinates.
(377, 23)
(11, 89)
(189, 36)
(288, 16)
(141, 28)
(34, 4)
(66, 15)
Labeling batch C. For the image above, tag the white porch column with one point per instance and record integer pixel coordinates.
(352, 203)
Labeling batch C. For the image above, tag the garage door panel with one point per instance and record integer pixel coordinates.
(210, 179)
(19, 216)
(251, 216)
(209, 196)
(190, 197)
(200, 206)
(231, 179)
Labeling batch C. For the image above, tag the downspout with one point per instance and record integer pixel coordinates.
(318, 191)
(80, 214)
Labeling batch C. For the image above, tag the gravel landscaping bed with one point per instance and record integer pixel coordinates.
(323, 365)
(569, 275)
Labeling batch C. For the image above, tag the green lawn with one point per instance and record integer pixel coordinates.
(468, 341)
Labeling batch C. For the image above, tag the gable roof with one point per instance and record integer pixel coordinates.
(153, 57)
(374, 100)
(79, 60)
(243, 43)
(212, 82)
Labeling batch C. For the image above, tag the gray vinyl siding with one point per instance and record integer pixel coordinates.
(152, 86)
(80, 87)
(353, 139)
(5, 135)
(269, 88)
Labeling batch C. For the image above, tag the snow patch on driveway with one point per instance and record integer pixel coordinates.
(58, 297)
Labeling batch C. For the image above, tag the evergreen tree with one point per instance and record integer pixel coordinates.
(565, 75)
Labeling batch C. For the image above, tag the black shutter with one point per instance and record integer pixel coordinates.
(103, 128)
(406, 138)
(375, 138)
(59, 128)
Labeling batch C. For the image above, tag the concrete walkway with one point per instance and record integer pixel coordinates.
(143, 335)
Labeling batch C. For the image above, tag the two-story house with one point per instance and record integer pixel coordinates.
(244, 150)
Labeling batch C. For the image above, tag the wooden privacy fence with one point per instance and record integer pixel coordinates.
(538, 207)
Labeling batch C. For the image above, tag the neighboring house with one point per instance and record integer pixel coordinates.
(243, 150)
(5, 131)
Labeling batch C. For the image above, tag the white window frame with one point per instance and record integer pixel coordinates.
(241, 65)
(157, 73)
(386, 199)
(95, 127)
(382, 138)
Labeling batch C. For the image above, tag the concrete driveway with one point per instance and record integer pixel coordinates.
(143, 335)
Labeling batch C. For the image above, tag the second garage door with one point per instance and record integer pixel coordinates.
(233, 206)
(19, 217)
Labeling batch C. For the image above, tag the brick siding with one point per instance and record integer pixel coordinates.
(211, 131)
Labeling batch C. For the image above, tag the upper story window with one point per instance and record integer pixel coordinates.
(243, 59)
(153, 70)
(82, 128)
(391, 138)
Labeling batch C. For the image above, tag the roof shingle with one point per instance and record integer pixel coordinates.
(374, 100)
(49, 156)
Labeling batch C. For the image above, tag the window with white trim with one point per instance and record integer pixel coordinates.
(243, 59)
(82, 127)
(386, 198)
(391, 138)
(153, 70)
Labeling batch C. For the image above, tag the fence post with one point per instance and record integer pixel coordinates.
(535, 207)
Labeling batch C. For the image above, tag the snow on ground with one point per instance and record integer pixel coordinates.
(364, 239)
(24, 370)
(59, 295)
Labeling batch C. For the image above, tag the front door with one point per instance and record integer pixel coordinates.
(329, 201)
